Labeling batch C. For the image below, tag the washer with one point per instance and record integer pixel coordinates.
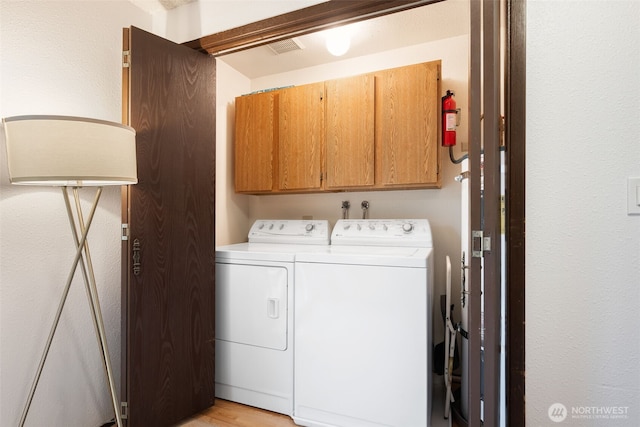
(254, 312)
(363, 326)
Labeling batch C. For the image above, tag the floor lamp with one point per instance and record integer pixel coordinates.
(72, 152)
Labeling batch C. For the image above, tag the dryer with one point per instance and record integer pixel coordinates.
(254, 312)
(363, 326)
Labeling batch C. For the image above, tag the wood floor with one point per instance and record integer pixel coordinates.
(230, 414)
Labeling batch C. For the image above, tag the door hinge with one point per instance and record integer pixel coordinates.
(125, 232)
(124, 410)
(479, 244)
(125, 58)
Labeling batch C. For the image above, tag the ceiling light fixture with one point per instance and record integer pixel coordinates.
(338, 40)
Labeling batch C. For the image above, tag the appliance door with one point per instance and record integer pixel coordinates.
(251, 305)
(363, 341)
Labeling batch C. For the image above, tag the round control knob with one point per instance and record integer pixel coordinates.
(309, 227)
(406, 227)
(261, 226)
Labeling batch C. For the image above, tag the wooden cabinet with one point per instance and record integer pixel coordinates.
(301, 136)
(349, 132)
(408, 126)
(255, 142)
(373, 131)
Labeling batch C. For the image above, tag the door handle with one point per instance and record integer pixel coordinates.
(136, 257)
(273, 308)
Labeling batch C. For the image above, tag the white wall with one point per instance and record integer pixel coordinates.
(58, 58)
(583, 250)
(232, 210)
(64, 57)
(204, 17)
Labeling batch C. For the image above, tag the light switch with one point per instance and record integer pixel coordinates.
(633, 196)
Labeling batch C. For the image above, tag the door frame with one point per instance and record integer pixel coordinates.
(515, 179)
(333, 13)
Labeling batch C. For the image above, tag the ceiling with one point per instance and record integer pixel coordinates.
(436, 21)
(152, 6)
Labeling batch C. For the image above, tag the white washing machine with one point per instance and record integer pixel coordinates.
(363, 327)
(254, 312)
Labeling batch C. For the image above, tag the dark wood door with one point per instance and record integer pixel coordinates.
(168, 261)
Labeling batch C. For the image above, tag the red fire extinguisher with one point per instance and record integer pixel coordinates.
(449, 120)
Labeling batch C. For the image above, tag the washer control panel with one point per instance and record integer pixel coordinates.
(311, 232)
(382, 232)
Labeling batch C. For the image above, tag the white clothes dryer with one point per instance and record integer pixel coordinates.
(363, 327)
(254, 312)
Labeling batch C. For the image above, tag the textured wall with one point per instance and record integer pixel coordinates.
(232, 210)
(205, 17)
(583, 251)
(58, 58)
(63, 57)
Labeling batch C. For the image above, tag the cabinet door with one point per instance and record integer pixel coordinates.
(407, 126)
(168, 294)
(255, 141)
(301, 134)
(350, 132)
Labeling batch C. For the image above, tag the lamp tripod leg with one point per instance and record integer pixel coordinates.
(52, 332)
(92, 296)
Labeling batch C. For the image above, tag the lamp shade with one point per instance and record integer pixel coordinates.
(72, 151)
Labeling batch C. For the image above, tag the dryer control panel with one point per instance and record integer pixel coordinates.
(382, 232)
(292, 231)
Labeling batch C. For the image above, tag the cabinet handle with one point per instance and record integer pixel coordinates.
(136, 257)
